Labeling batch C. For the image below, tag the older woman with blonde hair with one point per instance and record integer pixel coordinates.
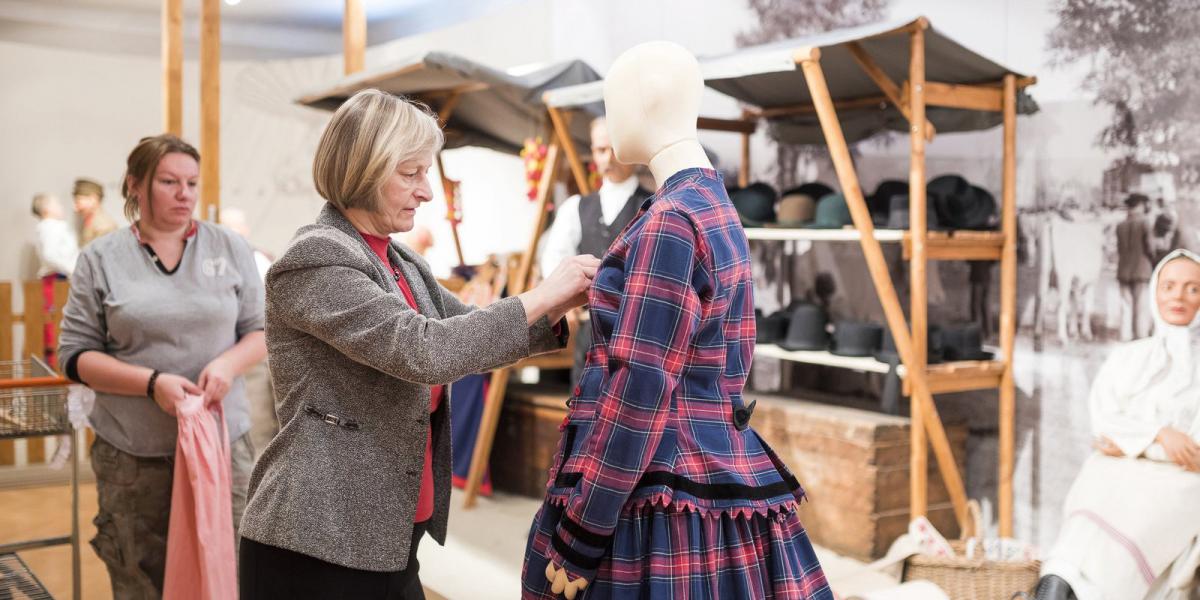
(362, 341)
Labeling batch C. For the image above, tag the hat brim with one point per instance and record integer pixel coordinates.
(823, 226)
(853, 352)
(803, 347)
(789, 224)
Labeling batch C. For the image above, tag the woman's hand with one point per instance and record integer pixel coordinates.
(563, 289)
(216, 379)
(1180, 448)
(170, 390)
(1108, 447)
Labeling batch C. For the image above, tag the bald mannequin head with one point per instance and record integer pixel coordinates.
(652, 100)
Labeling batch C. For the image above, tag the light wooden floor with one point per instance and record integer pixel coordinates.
(45, 512)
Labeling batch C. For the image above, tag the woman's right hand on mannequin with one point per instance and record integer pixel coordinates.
(563, 289)
(1180, 448)
(170, 390)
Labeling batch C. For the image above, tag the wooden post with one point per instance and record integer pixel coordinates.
(8, 455)
(35, 345)
(172, 65)
(499, 383)
(1008, 307)
(840, 153)
(918, 292)
(560, 123)
(744, 168)
(885, 83)
(450, 187)
(354, 36)
(210, 111)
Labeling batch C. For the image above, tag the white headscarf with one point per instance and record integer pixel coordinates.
(1150, 383)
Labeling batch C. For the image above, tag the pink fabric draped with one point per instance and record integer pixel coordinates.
(201, 563)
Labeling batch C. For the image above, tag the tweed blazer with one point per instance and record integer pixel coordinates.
(352, 365)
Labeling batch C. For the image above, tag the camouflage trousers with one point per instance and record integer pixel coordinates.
(135, 508)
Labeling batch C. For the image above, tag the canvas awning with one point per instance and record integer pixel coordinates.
(768, 77)
(496, 109)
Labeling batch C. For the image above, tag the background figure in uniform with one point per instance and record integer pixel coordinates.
(589, 224)
(1133, 265)
(57, 250)
(93, 221)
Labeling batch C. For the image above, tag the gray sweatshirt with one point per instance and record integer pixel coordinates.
(124, 305)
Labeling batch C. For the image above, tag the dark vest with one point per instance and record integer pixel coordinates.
(597, 236)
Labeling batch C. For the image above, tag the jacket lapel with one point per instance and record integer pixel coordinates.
(419, 280)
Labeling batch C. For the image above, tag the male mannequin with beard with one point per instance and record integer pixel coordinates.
(589, 224)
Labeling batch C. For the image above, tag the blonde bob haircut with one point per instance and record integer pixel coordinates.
(367, 137)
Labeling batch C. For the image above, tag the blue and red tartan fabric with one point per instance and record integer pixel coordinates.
(657, 419)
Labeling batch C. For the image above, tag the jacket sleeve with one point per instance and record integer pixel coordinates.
(659, 314)
(338, 303)
(543, 336)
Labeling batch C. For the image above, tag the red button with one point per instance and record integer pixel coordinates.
(577, 390)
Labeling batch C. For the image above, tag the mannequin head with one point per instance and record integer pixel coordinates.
(652, 99)
(1177, 293)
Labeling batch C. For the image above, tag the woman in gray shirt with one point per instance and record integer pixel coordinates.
(167, 307)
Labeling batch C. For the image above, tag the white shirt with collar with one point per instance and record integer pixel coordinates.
(562, 241)
(57, 248)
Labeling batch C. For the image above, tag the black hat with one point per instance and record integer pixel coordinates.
(770, 329)
(959, 204)
(880, 203)
(832, 213)
(964, 342)
(755, 204)
(898, 214)
(1133, 200)
(812, 189)
(933, 346)
(806, 330)
(856, 338)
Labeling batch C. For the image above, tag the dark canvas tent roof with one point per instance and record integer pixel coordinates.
(767, 76)
(497, 109)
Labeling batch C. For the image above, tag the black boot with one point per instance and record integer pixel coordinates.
(1053, 587)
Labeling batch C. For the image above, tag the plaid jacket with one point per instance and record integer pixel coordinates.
(658, 415)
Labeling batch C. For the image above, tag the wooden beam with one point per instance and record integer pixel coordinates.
(560, 121)
(986, 246)
(888, 298)
(885, 83)
(730, 125)
(499, 383)
(744, 167)
(919, 292)
(7, 447)
(449, 186)
(210, 111)
(354, 36)
(1008, 308)
(35, 345)
(172, 66)
(809, 109)
(968, 97)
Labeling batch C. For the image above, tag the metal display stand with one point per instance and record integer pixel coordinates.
(33, 403)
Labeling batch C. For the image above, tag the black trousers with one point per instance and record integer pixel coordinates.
(268, 573)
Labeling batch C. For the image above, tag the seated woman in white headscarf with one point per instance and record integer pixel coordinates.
(1132, 518)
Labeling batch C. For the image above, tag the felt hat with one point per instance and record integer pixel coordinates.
(806, 328)
(959, 204)
(772, 328)
(795, 210)
(855, 338)
(898, 215)
(933, 346)
(832, 213)
(755, 204)
(964, 342)
(880, 203)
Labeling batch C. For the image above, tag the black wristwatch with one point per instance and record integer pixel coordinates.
(150, 384)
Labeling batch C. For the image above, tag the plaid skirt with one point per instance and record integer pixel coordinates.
(669, 553)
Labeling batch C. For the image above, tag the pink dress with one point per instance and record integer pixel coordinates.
(201, 563)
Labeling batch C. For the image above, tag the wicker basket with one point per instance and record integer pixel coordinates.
(973, 578)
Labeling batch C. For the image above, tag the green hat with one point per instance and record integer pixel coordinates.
(87, 187)
(832, 213)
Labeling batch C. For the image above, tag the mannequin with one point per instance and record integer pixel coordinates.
(657, 457)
